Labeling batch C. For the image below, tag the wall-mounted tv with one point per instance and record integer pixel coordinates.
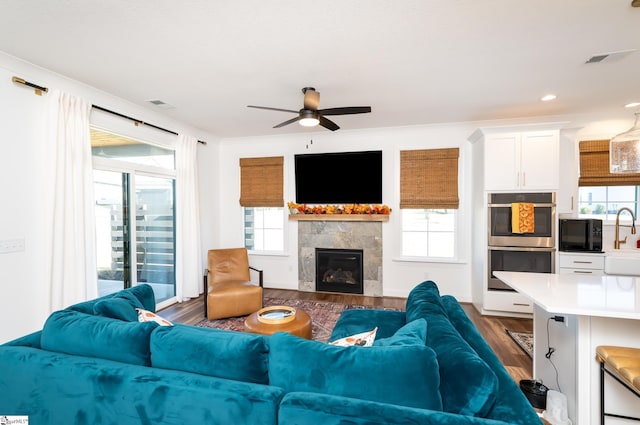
(339, 178)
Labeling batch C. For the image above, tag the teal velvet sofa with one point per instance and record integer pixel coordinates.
(473, 385)
(94, 363)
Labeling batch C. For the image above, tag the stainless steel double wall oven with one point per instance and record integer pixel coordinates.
(520, 252)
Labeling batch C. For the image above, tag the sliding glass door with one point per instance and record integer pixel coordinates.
(134, 186)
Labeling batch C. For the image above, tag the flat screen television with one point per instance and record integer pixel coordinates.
(339, 178)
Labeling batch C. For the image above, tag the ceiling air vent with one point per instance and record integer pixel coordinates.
(160, 104)
(609, 57)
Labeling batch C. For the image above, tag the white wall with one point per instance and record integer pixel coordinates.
(23, 308)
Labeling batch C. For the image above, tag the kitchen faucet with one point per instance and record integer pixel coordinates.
(617, 241)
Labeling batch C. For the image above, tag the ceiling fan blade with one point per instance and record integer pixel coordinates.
(328, 124)
(287, 122)
(311, 99)
(348, 110)
(272, 109)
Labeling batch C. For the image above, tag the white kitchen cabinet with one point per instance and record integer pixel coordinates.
(522, 161)
(579, 263)
(507, 302)
(567, 195)
(517, 158)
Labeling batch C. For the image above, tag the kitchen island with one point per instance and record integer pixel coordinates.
(573, 314)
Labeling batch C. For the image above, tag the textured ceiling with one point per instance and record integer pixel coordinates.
(413, 62)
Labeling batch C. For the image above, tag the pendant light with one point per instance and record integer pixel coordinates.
(624, 150)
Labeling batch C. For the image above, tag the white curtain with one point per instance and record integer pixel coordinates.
(189, 269)
(69, 234)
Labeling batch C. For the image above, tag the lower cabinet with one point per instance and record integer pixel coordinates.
(507, 301)
(579, 263)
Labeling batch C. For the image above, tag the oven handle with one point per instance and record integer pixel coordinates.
(520, 248)
(509, 205)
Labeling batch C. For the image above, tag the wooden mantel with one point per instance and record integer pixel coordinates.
(339, 217)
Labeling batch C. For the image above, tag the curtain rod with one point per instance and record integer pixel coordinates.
(39, 89)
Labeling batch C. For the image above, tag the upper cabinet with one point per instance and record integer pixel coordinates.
(523, 161)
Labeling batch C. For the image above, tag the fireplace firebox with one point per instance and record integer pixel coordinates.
(339, 270)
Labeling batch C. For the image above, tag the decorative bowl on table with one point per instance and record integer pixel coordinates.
(276, 314)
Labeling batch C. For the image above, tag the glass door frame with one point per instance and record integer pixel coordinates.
(114, 165)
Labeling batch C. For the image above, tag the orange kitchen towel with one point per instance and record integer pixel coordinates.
(522, 220)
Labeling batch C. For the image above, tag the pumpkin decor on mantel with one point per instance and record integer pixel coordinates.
(369, 209)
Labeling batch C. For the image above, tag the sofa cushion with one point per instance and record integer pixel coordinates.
(213, 352)
(410, 334)
(406, 375)
(468, 385)
(143, 292)
(59, 389)
(360, 320)
(121, 305)
(81, 334)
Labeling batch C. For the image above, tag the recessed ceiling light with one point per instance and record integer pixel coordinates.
(548, 97)
(632, 105)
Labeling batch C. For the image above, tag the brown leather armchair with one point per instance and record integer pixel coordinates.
(228, 288)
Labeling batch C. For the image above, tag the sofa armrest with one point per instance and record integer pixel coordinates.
(299, 408)
(511, 402)
(30, 340)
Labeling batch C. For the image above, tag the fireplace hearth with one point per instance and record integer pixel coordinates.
(339, 270)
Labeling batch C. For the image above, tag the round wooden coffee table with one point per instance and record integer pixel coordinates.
(300, 325)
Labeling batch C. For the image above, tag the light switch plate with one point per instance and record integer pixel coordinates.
(11, 245)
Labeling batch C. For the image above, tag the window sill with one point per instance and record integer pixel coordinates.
(429, 260)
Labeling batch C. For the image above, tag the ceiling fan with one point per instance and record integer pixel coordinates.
(310, 115)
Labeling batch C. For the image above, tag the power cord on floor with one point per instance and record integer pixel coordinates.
(550, 352)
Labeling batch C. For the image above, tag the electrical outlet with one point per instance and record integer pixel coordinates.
(11, 245)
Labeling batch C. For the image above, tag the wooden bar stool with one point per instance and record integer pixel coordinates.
(623, 364)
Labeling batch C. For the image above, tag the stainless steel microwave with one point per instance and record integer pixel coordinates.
(580, 235)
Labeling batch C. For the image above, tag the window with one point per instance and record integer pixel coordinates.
(428, 233)
(603, 202)
(429, 202)
(261, 196)
(601, 193)
(135, 219)
(107, 145)
(264, 228)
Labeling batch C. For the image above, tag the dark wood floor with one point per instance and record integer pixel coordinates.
(492, 328)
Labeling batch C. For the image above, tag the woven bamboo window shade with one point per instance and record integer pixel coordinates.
(429, 178)
(261, 182)
(594, 166)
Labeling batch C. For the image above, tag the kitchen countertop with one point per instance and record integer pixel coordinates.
(585, 295)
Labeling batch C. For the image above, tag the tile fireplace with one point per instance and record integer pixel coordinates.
(341, 235)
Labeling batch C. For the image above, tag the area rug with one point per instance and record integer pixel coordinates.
(324, 316)
(524, 340)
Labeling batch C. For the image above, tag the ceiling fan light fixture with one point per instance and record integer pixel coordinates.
(309, 118)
